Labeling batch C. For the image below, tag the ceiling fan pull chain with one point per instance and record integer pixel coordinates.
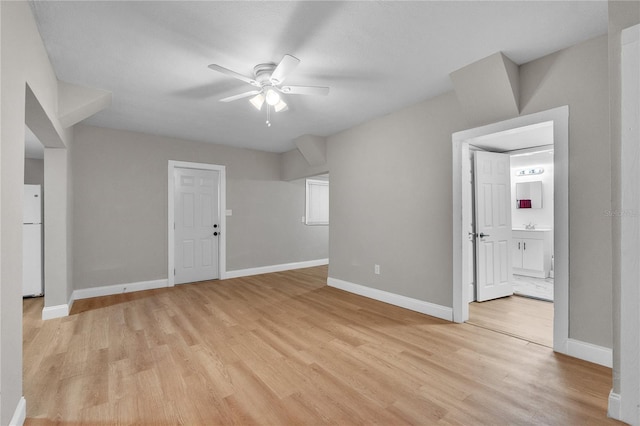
(268, 115)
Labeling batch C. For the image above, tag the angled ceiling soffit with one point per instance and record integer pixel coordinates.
(77, 103)
(488, 89)
(313, 149)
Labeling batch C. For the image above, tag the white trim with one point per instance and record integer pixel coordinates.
(614, 411)
(20, 414)
(86, 293)
(421, 306)
(222, 253)
(627, 372)
(57, 311)
(560, 118)
(467, 213)
(589, 352)
(275, 268)
(70, 301)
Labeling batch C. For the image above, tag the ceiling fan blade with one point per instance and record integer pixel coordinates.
(240, 96)
(284, 68)
(305, 90)
(234, 74)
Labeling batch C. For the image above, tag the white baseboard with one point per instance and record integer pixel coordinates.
(86, 293)
(590, 352)
(274, 268)
(70, 303)
(20, 414)
(57, 311)
(614, 410)
(421, 306)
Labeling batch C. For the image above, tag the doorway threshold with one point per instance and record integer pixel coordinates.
(524, 318)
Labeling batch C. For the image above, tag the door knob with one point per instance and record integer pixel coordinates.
(215, 234)
(482, 235)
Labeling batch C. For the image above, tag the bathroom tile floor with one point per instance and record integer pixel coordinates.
(536, 288)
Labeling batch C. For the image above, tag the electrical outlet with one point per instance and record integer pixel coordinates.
(376, 269)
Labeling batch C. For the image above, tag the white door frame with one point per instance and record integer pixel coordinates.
(560, 118)
(222, 253)
(624, 406)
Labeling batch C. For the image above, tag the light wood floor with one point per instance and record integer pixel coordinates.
(529, 319)
(283, 349)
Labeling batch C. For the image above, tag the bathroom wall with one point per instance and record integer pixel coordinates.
(542, 218)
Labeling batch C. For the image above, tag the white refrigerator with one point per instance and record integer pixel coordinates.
(32, 241)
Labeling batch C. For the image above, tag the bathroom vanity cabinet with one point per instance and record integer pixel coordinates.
(531, 253)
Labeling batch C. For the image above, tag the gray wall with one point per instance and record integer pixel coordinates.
(58, 227)
(578, 77)
(33, 171)
(390, 201)
(120, 207)
(266, 227)
(391, 193)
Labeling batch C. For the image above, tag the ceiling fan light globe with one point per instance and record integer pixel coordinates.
(280, 106)
(272, 97)
(257, 101)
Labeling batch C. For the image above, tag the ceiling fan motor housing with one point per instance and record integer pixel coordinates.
(263, 74)
(268, 78)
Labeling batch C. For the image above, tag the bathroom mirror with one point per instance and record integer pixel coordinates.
(529, 195)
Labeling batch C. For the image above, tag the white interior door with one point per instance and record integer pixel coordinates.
(493, 225)
(197, 224)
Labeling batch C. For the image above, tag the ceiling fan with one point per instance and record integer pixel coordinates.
(267, 80)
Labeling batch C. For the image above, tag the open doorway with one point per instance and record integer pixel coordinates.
(505, 271)
(462, 209)
(33, 214)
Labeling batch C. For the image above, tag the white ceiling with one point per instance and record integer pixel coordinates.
(377, 57)
(531, 136)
